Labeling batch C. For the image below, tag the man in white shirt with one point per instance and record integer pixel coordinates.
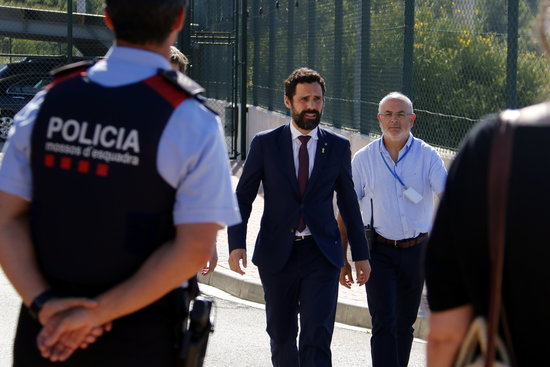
(398, 174)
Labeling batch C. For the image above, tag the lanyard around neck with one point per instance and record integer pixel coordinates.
(392, 171)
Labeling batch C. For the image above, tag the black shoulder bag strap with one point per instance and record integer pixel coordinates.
(500, 161)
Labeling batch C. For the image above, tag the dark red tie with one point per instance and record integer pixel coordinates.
(303, 173)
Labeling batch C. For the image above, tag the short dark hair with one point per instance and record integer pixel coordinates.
(143, 21)
(302, 75)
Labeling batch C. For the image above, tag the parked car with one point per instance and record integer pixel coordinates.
(34, 65)
(20, 81)
(15, 92)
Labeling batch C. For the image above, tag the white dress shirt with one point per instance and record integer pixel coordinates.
(419, 167)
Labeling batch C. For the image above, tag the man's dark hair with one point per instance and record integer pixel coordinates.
(302, 75)
(143, 21)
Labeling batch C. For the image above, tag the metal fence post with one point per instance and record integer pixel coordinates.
(365, 63)
(311, 33)
(512, 55)
(272, 54)
(234, 85)
(244, 75)
(338, 47)
(69, 30)
(184, 37)
(290, 38)
(408, 42)
(256, 62)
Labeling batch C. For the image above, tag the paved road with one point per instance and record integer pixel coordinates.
(239, 339)
(9, 308)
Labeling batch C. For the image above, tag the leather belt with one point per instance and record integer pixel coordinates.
(302, 238)
(406, 243)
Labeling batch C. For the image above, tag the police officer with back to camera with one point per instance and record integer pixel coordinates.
(107, 201)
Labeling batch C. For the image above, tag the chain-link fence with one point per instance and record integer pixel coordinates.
(37, 36)
(472, 58)
(457, 59)
(210, 41)
(50, 32)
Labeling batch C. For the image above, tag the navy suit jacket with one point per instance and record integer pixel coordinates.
(270, 162)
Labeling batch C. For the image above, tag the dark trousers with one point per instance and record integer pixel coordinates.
(308, 285)
(145, 338)
(393, 294)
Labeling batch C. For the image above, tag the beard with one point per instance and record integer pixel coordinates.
(305, 123)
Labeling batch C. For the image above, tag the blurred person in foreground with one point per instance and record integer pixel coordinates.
(399, 174)
(107, 201)
(457, 262)
(298, 251)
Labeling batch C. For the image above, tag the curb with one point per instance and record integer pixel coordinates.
(250, 290)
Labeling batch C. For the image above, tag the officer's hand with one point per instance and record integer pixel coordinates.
(211, 264)
(56, 305)
(235, 257)
(95, 334)
(362, 270)
(346, 277)
(65, 332)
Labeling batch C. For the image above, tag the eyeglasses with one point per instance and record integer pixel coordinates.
(397, 116)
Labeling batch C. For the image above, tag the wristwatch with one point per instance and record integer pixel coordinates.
(39, 301)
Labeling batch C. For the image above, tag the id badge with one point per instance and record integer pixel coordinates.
(412, 195)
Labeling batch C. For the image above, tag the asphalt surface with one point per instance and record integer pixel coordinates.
(239, 337)
(244, 295)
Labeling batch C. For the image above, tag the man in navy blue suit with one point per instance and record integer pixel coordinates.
(298, 250)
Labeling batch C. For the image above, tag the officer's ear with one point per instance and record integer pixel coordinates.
(179, 21)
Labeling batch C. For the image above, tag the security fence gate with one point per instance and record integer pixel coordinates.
(211, 45)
